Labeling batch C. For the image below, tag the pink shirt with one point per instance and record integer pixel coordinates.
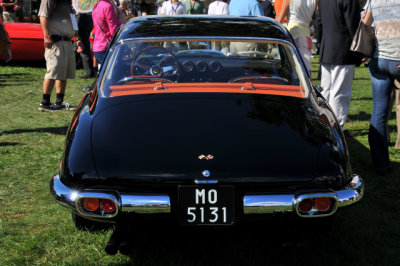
(104, 16)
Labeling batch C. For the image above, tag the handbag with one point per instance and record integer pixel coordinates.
(364, 39)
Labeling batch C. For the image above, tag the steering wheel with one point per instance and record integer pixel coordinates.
(169, 66)
(142, 78)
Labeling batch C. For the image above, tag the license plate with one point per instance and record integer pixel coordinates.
(206, 205)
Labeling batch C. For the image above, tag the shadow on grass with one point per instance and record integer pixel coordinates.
(15, 79)
(3, 144)
(34, 63)
(53, 130)
(362, 99)
(255, 243)
(361, 116)
(279, 242)
(362, 79)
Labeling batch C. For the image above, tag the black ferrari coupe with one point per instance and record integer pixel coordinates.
(208, 121)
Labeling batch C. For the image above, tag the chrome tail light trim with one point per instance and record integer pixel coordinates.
(124, 203)
(110, 195)
(314, 212)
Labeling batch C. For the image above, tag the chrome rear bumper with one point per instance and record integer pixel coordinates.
(160, 203)
(256, 204)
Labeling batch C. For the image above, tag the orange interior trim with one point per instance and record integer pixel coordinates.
(248, 87)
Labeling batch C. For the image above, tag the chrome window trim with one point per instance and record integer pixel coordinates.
(298, 61)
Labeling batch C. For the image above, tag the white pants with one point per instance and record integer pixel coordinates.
(336, 83)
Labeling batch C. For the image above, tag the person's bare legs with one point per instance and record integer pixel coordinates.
(48, 85)
(61, 85)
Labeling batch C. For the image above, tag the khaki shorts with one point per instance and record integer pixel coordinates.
(60, 61)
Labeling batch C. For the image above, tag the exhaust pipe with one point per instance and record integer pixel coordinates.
(114, 242)
(119, 240)
(125, 247)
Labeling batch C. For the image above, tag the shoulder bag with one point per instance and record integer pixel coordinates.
(364, 38)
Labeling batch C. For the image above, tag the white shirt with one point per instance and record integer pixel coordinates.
(218, 8)
(169, 8)
(301, 11)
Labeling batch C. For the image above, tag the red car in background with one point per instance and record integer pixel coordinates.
(26, 41)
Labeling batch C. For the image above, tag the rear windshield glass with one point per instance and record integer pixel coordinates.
(193, 65)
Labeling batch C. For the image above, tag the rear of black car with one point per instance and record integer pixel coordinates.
(207, 153)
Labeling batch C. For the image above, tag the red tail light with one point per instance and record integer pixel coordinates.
(323, 203)
(90, 204)
(306, 205)
(107, 205)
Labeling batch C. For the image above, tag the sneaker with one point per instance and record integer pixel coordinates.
(48, 108)
(87, 76)
(64, 106)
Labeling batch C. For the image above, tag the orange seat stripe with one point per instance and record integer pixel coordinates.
(153, 88)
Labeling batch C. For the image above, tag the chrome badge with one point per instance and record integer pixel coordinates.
(208, 157)
(206, 173)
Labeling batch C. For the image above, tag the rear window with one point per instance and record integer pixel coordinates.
(196, 65)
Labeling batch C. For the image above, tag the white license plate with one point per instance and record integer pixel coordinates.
(206, 205)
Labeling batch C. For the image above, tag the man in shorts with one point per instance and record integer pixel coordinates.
(57, 20)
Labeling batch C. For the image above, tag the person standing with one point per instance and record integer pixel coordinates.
(245, 8)
(85, 27)
(123, 11)
(105, 24)
(173, 8)
(59, 26)
(147, 8)
(4, 43)
(299, 14)
(10, 8)
(384, 69)
(277, 7)
(268, 8)
(218, 7)
(194, 7)
(337, 21)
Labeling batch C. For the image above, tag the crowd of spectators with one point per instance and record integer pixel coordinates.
(334, 22)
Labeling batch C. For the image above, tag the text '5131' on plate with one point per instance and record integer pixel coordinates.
(206, 205)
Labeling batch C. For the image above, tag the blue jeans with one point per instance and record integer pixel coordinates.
(100, 56)
(382, 72)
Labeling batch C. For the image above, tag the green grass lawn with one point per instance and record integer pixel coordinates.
(36, 230)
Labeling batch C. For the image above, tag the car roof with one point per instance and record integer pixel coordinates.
(203, 25)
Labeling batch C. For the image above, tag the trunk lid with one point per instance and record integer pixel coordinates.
(236, 137)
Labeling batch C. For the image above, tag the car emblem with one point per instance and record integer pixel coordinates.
(208, 157)
(206, 173)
